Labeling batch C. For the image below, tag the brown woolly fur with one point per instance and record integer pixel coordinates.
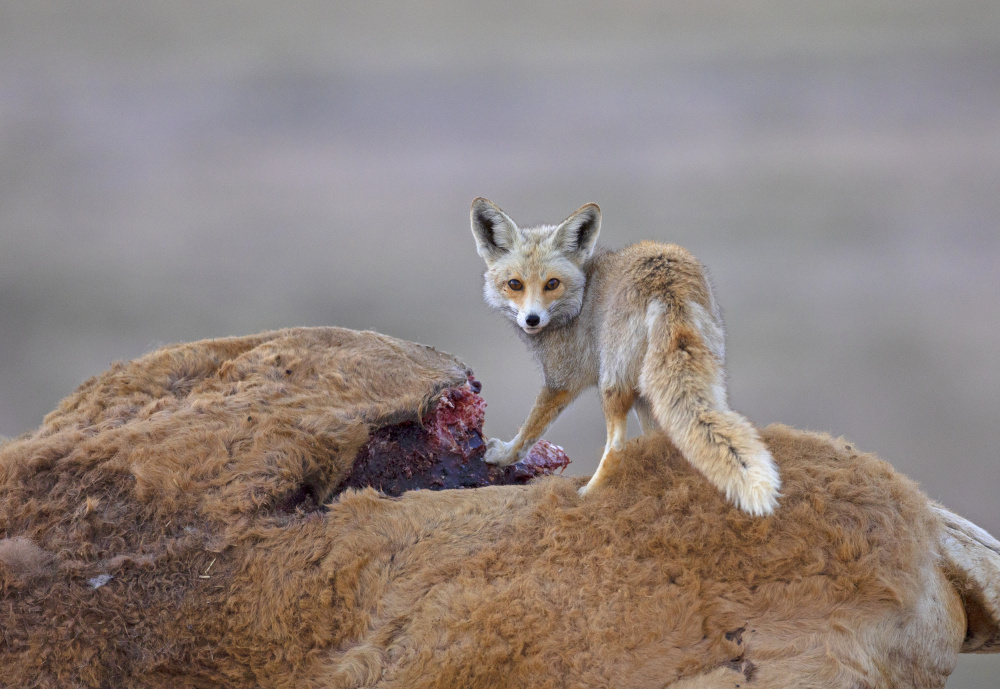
(166, 474)
(656, 581)
(141, 546)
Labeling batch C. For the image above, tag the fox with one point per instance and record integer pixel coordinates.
(640, 323)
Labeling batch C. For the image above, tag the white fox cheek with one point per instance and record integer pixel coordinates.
(494, 298)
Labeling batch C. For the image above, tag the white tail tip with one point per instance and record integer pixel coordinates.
(755, 490)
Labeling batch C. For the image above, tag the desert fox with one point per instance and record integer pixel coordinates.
(641, 324)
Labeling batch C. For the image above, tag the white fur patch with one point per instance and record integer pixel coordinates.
(711, 331)
(720, 394)
(655, 309)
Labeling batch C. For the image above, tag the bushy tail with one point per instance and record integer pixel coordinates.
(683, 379)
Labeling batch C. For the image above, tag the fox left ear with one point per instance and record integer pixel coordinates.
(577, 234)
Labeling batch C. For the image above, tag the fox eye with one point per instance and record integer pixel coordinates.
(552, 284)
(515, 285)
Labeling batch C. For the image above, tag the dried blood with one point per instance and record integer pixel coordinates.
(444, 450)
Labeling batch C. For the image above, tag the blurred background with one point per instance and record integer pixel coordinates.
(183, 170)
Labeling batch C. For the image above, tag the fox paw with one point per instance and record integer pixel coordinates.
(500, 453)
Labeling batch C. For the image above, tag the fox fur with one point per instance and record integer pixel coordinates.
(642, 324)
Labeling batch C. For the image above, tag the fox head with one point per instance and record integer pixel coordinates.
(535, 275)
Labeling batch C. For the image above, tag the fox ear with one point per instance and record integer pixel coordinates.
(493, 229)
(577, 234)
(971, 560)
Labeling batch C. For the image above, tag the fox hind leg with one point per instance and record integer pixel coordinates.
(616, 402)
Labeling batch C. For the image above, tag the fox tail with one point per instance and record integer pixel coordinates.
(683, 379)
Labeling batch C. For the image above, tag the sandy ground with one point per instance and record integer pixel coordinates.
(171, 172)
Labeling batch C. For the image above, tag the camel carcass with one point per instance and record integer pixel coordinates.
(187, 519)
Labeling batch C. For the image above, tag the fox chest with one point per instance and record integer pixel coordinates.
(569, 363)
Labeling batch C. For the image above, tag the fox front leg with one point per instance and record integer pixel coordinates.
(548, 405)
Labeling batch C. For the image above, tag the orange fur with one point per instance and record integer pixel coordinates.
(166, 473)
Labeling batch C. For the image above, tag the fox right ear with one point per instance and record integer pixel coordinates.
(493, 229)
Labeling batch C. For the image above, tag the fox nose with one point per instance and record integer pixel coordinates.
(532, 320)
